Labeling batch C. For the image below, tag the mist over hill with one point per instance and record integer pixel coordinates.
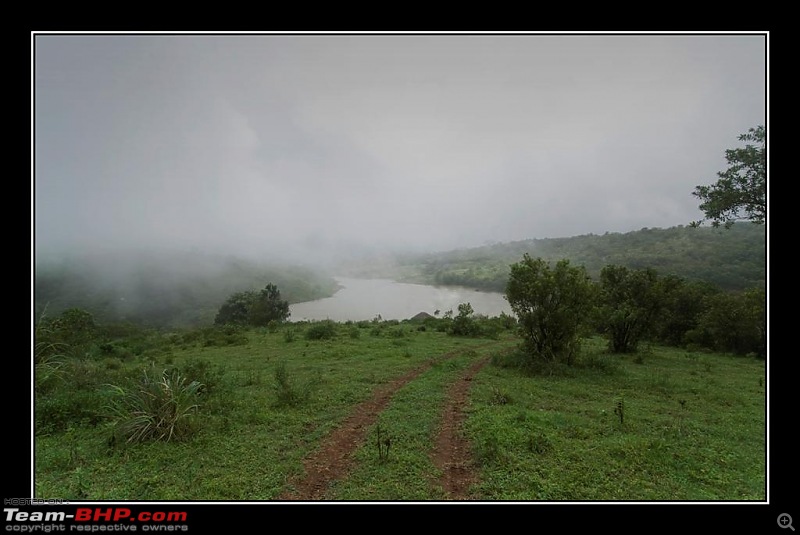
(164, 288)
(171, 288)
(731, 259)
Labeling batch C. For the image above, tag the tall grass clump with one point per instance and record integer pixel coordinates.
(288, 393)
(48, 358)
(156, 408)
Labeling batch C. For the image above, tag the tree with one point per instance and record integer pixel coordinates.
(464, 324)
(734, 322)
(268, 306)
(235, 309)
(253, 308)
(551, 305)
(683, 303)
(630, 301)
(741, 191)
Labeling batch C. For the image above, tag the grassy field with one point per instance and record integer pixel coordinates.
(663, 424)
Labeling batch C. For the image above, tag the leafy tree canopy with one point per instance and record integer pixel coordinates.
(630, 301)
(551, 305)
(741, 191)
(253, 308)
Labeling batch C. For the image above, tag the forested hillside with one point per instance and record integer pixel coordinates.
(731, 259)
(165, 290)
(188, 289)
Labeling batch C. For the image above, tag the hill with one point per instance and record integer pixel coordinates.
(732, 259)
(173, 289)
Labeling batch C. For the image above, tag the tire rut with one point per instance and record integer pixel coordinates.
(333, 459)
(452, 454)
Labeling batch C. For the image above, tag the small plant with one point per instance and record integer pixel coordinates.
(289, 336)
(489, 450)
(48, 357)
(499, 397)
(80, 489)
(289, 394)
(384, 443)
(679, 418)
(539, 444)
(619, 410)
(252, 377)
(48, 372)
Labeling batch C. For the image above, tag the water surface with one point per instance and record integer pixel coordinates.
(364, 299)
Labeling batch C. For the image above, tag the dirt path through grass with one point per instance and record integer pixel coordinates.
(333, 459)
(452, 454)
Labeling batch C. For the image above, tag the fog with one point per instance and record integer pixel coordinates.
(318, 146)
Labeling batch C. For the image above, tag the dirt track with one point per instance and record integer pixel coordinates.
(451, 452)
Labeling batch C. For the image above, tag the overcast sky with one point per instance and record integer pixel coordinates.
(257, 144)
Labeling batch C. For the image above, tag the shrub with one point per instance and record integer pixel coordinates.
(322, 330)
(156, 409)
(464, 324)
(552, 305)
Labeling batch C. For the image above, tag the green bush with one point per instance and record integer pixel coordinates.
(321, 330)
(552, 304)
(464, 324)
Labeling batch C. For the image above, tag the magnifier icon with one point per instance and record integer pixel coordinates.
(785, 521)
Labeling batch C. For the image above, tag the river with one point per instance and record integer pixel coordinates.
(364, 299)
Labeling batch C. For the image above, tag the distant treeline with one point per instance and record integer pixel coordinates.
(180, 290)
(730, 259)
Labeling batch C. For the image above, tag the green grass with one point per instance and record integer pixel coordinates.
(693, 426)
